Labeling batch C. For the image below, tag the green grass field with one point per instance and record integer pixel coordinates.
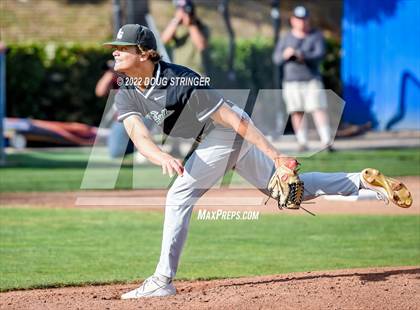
(54, 247)
(63, 170)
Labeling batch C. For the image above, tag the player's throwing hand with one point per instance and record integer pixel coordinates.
(171, 165)
(283, 159)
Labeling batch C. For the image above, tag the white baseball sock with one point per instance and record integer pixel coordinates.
(302, 136)
(325, 134)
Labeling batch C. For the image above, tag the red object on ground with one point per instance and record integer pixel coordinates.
(59, 133)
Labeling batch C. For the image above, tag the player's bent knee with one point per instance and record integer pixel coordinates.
(179, 197)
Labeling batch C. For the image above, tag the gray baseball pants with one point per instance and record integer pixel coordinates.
(218, 153)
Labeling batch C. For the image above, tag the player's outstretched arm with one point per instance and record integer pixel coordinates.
(143, 141)
(225, 116)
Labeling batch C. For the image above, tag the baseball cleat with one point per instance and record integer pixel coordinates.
(151, 287)
(388, 189)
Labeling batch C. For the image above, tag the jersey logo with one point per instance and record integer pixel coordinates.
(159, 117)
(120, 34)
(157, 98)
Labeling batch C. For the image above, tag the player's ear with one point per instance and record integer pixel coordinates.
(142, 54)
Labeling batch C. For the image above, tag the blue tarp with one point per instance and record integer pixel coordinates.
(381, 63)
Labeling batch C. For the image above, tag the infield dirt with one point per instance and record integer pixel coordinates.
(374, 288)
(238, 199)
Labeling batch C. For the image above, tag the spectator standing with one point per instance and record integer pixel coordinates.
(188, 37)
(299, 54)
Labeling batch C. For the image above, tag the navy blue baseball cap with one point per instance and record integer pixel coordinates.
(134, 34)
(186, 5)
(301, 12)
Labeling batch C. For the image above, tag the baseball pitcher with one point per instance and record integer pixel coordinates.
(175, 98)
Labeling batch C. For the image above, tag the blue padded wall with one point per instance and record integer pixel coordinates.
(380, 67)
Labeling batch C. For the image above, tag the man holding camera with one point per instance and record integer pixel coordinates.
(188, 37)
(299, 54)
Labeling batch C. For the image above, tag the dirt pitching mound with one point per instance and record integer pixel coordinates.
(374, 288)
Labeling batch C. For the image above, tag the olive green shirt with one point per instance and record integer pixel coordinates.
(185, 53)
